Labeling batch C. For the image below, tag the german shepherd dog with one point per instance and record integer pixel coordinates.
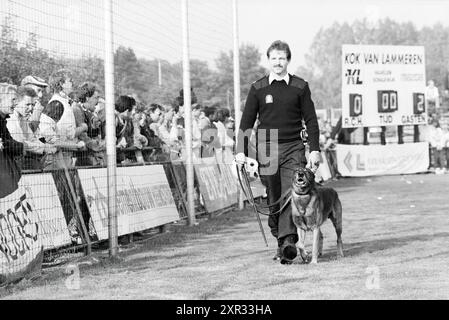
(311, 206)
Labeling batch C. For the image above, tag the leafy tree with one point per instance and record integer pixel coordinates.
(250, 71)
(436, 42)
(17, 61)
(127, 73)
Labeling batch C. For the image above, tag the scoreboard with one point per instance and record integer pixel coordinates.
(383, 85)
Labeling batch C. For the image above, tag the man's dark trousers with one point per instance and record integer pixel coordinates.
(289, 156)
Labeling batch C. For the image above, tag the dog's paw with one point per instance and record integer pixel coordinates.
(314, 261)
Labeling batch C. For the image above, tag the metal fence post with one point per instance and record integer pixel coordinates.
(238, 113)
(187, 112)
(110, 129)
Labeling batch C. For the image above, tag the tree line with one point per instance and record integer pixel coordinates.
(140, 76)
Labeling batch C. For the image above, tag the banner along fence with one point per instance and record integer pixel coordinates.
(44, 214)
(40, 38)
(144, 199)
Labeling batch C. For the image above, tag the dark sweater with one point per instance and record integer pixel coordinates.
(9, 171)
(282, 107)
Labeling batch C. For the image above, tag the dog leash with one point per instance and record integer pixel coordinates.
(249, 196)
(246, 188)
(251, 202)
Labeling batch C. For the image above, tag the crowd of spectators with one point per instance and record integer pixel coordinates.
(69, 129)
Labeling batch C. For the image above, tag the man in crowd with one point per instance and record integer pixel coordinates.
(18, 126)
(83, 110)
(280, 101)
(127, 128)
(38, 85)
(61, 86)
(9, 148)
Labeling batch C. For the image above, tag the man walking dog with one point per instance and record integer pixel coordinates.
(281, 101)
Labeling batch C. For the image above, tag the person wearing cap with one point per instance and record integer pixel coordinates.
(280, 101)
(38, 85)
(18, 126)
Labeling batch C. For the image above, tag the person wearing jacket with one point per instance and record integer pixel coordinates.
(9, 148)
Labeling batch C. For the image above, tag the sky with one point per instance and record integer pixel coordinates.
(297, 22)
(153, 28)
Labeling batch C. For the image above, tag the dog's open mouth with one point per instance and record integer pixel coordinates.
(301, 180)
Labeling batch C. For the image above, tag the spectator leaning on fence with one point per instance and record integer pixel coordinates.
(150, 128)
(19, 127)
(83, 110)
(61, 86)
(9, 148)
(97, 126)
(49, 133)
(127, 128)
(38, 85)
(66, 132)
(165, 121)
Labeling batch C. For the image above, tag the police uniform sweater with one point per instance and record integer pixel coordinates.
(280, 106)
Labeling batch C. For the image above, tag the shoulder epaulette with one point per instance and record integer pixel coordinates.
(261, 83)
(298, 82)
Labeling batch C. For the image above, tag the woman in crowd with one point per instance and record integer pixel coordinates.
(49, 133)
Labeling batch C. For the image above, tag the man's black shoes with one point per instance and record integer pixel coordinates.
(288, 250)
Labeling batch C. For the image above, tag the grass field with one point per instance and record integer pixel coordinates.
(395, 234)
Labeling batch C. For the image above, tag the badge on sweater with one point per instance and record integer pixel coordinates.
(268, 98)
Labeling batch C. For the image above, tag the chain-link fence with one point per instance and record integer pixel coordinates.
(54, 182)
